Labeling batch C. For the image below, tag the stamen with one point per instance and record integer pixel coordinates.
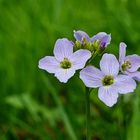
(108, 80)
(126, 65)
(65, 64)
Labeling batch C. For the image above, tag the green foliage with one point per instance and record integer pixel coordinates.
(33, 104)
(134, 127)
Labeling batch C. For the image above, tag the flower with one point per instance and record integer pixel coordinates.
(80, 35)
(130, 64)
(107, 79)
(65, 62)
(100, 40)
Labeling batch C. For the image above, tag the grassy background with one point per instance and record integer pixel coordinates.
(33, 104)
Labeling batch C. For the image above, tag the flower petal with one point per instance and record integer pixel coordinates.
(124, 84)
(135, 75)
(79, 35)
(49, 63)
(63, 49)
(122, 52)
(79, 58)
(135, 62)
(63, 75)
(105, 41)
(91, 76)
(98, 36)
(109, 64)
(108, 95)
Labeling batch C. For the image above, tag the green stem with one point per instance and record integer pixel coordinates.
(87, 93)
(92, 57)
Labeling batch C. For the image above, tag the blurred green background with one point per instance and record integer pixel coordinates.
(33, 104)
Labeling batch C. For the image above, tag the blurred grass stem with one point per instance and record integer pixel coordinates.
(87, 94)
(65, 118)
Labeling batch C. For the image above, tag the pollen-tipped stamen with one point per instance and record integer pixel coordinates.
(126, 65)
(108, 80)
(96, 45)
(65, 64)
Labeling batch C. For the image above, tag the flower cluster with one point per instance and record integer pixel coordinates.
(113, 78)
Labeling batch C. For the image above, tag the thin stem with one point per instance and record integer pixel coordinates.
(87, 93)
(92, 57)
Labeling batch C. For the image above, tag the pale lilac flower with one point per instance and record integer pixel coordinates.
(129, 64)
(80, 35)
(107, 79)
(102, 38)
(65, 62)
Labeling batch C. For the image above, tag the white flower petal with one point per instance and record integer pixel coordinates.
(63, 49)
(63, 75)
(124, 84)
(109, 64)
(91, 76)
(79, 58)
(108, 95)
(49, 63)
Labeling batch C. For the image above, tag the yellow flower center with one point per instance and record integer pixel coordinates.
(108, 80)
(126, 65)
(65, 64)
